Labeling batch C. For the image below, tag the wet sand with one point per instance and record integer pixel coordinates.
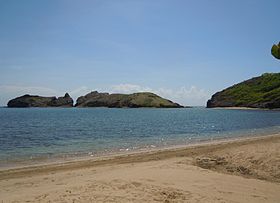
(244, 170)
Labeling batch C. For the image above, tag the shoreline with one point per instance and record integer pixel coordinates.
(239, 170)
(67, 158)
(245, 108)
(146, 154)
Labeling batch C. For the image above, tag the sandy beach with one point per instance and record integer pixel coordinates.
(244, 170)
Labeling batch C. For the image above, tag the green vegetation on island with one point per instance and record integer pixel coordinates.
(142, 99)
(258, 92)
(96, 99)
(39, 101)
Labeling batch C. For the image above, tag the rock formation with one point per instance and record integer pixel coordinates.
(39, 101)
(143, 99)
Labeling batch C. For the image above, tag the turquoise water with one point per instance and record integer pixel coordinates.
(45, 133)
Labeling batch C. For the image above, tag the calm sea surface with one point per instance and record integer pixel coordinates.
(45, 133)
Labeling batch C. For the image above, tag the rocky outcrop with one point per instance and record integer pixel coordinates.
(38, 101)
(143, 99)
(258, 92)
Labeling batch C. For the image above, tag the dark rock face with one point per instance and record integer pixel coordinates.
(38, 101)
(144, 99)
(258, 92)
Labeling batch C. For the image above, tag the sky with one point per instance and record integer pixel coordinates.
(184, 50)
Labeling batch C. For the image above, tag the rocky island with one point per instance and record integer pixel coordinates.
(135, 100)
(257, 92)
(39, 101)
(96, 99)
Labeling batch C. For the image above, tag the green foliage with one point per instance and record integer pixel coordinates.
(258, 92)
(275, 50)
(147, 99)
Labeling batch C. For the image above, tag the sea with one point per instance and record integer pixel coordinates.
(39, 135)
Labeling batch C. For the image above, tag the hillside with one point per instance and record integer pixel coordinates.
(257, 92)
(39, 101)
(143, 99)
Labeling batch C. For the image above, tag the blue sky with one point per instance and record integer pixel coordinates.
(184, 50)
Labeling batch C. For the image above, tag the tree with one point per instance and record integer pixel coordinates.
(275, 50)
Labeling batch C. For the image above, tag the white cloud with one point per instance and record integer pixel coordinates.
(129, 88)
(80, 91)
(183, 95)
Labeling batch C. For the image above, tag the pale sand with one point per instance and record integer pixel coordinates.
(245, 170)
